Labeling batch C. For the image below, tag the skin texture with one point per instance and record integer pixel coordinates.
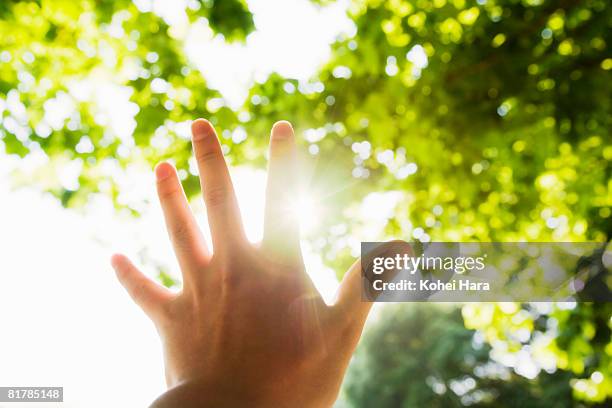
(248, 327)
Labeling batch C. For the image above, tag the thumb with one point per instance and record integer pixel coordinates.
(351, 302)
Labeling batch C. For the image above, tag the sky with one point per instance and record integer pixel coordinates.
(66, 320)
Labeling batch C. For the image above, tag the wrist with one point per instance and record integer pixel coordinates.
(199, 395)
(193, 395)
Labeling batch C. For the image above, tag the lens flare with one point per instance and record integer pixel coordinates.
(305, 209)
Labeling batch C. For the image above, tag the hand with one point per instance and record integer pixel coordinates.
(248, 328)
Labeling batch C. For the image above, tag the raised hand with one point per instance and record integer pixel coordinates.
(248, 327)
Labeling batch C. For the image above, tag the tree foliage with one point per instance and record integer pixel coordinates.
(493, 120)
(59, 58)
(489, 119)
(422, 355)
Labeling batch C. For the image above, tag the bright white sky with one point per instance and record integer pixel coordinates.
(65, 320)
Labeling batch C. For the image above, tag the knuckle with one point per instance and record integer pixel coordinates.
(216, 196)
(231, 278)
(170, 313)
(166, 189)
(139, 293)
(348, 333)
(207, 155)
(181, 233)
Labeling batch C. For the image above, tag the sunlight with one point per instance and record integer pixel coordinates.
(143, 239)
(308, 213)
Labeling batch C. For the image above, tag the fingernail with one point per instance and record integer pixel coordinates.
(163, 171)
(200, 128)
(282, 130)
(115, 261)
